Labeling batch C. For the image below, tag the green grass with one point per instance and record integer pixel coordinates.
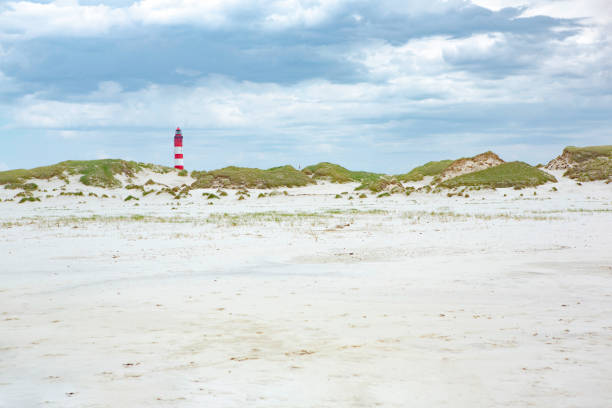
(513, 174)
(338, 174)
(432, 168)
(99, 173)
(244, 177)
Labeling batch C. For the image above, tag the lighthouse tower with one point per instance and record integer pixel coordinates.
(178, 149)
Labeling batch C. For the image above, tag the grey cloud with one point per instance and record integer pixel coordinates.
(138, 56)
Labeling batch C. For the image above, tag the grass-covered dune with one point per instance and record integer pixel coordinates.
(99, 173)
(338, 174)
(587, 163)
(432, 168)
(238, 177)
(514, 174)
(579, 154)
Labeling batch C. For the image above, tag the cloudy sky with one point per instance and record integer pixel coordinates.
(375, 85)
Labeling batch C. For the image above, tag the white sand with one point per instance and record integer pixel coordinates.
(490, 301)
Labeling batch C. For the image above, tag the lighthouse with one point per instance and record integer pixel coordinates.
(178, 149)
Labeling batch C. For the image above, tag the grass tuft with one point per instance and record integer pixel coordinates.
(28, 199)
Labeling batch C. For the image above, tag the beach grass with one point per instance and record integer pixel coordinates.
(588, 152)
(338, 174)
(514, 174)
(307, 219)
(245, 177)
(380, 184)
(432, 168)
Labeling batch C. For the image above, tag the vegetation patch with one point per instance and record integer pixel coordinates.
(28, 199)
(338, 174)
(513, 174)
(598, 168)
(23, 186)
(381, 184)
(244, 177)
(70, 193)
(432, 168)
(176, 191)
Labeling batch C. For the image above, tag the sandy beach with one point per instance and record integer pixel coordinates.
(303, 299)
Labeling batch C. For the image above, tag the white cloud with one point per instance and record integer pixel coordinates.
(289, 13)
(210, 13)
(27, 19)
(416, 78)
(598, 11)
(68, 18)
(424, 56)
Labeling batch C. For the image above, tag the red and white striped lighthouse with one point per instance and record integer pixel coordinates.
(178, 149)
